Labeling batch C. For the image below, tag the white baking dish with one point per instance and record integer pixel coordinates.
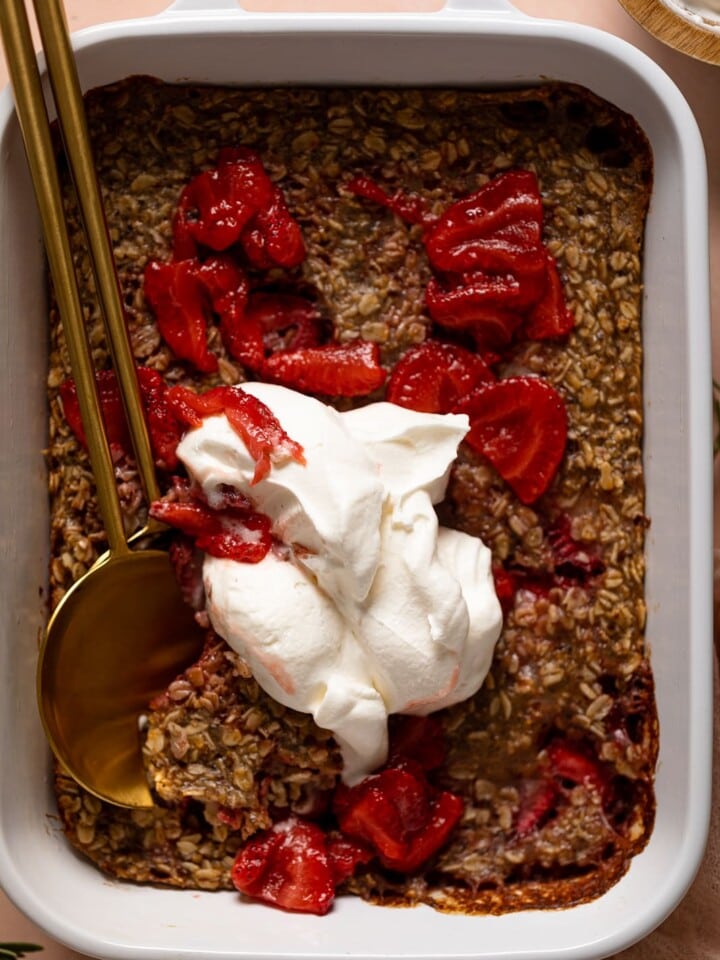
(469, 43)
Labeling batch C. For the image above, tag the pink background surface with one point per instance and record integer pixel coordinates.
(699, 82)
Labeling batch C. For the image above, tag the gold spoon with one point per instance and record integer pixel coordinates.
(122, 632)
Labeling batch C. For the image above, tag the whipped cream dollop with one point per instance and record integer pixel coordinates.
(370, 607)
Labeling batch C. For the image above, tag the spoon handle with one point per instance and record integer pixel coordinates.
(62, 71)
(35, 129)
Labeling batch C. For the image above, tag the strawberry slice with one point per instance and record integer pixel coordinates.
(520, 425)
(111, 407)
(229, 535)
(184, 294)
(217, 204)
(253, 421)
(505, 587)
(346, 856)
(445, 813)
(498, 228)
(273, 237)
(398, 816)
(489, 306)
(433, 376)
(549, 318)
(163, 427)
(287, 866)
(384, 810)
(408, 207)
(574, 561)
(538, 800)
(571, 762)
(286, 321)
(335, 369)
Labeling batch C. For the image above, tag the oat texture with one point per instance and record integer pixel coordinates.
(571, 662)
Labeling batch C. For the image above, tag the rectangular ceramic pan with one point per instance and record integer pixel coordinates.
(486, 43)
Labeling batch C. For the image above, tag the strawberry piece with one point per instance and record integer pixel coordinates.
(373, 811)
(445, 813)
(395, 813)
(538, 800)
(573, 560)
(241, 536)
(273, 237)
(216, 205)
(113, 414)
(191, 407)
(505, 587)
(345, 856)
(179, 303)
(549, 317)
(253, 421)
(488, 306)
(287, 866)
(433, 376)
(571, 762)
(286, 321)
(410, 208)
(164, 428)
(497, 228)
(520, 425)
(184, 296)
(420, 739)
(335, 369)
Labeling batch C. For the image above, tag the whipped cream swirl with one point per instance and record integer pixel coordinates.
(370, 607)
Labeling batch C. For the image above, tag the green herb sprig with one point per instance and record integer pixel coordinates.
(13, 951)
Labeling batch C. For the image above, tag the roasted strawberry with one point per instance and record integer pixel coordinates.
(497, 228)
(520, 425)
(230, 535)
(164, 428)
(420, 739)
(250, 418)
(186, 295)
(574, 561)
(549, 317)
(273, 237)
(538, 800)
(480, 299)
(113, 414)
(345, 856)
(446, 810)
(408, 207)
(180, 305)
(398, 815)
(286, 321)
(335, 369)
(573, 763)
(433, 376)
(384, 810)
(217, 204)
(287, 866)
(505, 587)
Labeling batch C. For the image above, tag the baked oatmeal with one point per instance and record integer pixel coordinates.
(554, 757)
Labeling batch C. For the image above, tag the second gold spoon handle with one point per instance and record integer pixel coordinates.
(65, 84)
(32, 114)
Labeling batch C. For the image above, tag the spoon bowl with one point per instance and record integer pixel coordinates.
(101, 665)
